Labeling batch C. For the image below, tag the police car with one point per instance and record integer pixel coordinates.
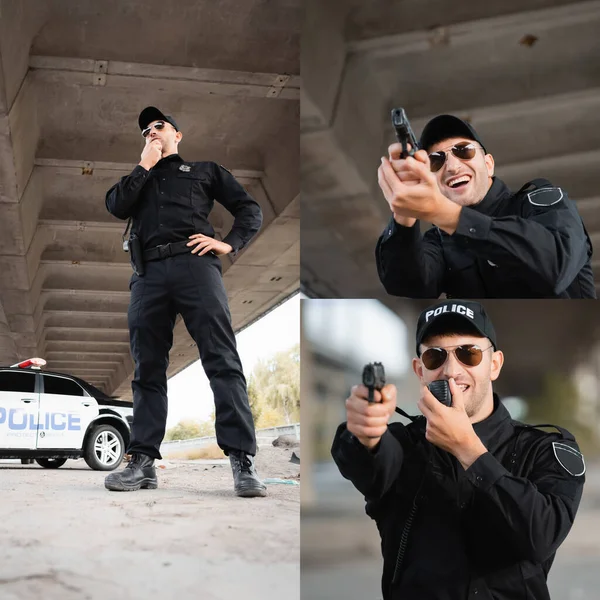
(51, 417)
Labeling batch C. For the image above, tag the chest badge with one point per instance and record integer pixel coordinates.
(185, 168)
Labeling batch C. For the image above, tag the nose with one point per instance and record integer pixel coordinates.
(452, 367)
(452, 163)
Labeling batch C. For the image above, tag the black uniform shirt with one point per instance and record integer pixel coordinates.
(488, 532)
(531, 244)
(173, 200)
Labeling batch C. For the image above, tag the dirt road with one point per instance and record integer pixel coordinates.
(63, 536)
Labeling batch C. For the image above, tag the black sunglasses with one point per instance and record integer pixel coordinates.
(469, 355)
(159, 126)
(462, 150)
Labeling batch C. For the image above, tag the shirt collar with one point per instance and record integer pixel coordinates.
(168, 160)
(494, 430)
(498, 192)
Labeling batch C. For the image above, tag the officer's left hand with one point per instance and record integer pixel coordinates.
(449, 427)
(205, 244)
(411, 190)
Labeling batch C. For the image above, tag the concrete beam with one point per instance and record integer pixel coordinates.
(68, 167)
(473, 32)
(181, 80)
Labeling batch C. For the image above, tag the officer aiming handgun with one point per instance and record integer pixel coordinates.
(469, 503)
(487, 241)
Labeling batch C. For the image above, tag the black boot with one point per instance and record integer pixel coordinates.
(245, 478)
(139, 473)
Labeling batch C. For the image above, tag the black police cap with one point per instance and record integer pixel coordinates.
(444, 127)
(453, 310)
(150, 114)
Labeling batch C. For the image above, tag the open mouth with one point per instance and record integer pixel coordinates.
(463, 386)
(458, 182)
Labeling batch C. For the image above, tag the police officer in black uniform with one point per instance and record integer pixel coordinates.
(486, 242)
(468, 502)
(177, 270)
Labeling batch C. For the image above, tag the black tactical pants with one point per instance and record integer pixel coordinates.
(192, 286)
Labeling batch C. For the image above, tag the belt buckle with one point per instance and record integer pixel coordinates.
(164, 250)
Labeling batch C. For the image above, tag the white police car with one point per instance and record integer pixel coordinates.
(51, 417)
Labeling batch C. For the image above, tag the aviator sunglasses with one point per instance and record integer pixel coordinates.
(159, 126)
(469, 355)
(462, 150)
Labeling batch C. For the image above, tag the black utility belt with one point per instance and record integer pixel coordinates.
(166, 250)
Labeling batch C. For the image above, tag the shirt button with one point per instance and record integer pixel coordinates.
(478, 478)
(472, 230)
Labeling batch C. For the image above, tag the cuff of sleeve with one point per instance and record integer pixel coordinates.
(388, 443)
(139, 170)
(485, 471)
(395, 230)
(235, 241)
(473, 224)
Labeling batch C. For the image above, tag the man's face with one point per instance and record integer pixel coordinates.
(476, 382)
(168, 136)
(465, 182)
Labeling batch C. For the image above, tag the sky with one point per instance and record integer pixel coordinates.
(190, 396)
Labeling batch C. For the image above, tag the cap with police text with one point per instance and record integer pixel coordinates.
(151, 113)
(444, 127)
(451, 310)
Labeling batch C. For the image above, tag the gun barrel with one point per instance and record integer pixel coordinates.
(404, 132)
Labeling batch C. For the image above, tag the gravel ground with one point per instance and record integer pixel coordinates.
(63, 536)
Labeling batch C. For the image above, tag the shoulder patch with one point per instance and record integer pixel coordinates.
(569, 459)
(546, 196)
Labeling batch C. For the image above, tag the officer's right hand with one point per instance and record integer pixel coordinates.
(151, 153)
(394, 152)
(368, 421)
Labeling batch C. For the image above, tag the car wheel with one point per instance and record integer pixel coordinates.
(104, 448)
(51, 463)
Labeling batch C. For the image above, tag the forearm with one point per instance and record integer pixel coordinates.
(409, 265)
(535, 515)
(122, 197)
(247, 223)
(371, 470)
(549, 255)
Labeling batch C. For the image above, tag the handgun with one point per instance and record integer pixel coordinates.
(404, 132)
(373, 378)
(441, 390)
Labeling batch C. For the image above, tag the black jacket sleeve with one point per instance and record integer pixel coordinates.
(410, 265)
(546, 246)
(122, 197)
(371, 472)
(537, 512)
(246, 211)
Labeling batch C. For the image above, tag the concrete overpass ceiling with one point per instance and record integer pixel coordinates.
(74, 77)
(525, 74)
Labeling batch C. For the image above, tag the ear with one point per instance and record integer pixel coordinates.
(489, 163)
(496, 366)
(178, 136)
(417, 366)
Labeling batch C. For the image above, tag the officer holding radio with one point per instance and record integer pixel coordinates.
(177, 269)
(486, 242)
(468, 502)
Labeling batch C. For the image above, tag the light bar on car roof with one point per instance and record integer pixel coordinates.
(34, 363)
